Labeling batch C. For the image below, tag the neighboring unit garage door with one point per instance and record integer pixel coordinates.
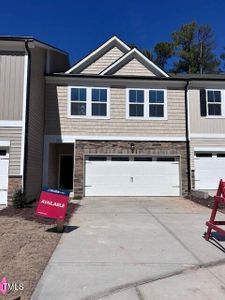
(132, 178)
(209, 169)
(4, 165)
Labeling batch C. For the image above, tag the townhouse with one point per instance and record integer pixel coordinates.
(23, 63)
(113, 124)
(207, 131)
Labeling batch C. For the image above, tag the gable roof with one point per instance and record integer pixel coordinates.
(134, 53)
(114, 41)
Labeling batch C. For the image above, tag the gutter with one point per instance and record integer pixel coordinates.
(26, 116)
(187, 136)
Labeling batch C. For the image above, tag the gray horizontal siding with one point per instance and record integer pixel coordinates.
(11, 86)
(14, 135)
(58, 123)
(200, 124)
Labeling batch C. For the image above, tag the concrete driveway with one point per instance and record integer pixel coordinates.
(135, 248)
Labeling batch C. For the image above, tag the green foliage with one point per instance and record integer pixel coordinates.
(194, 47)
(147, 53)
(19, 200)
(163, 51)
(191, 49)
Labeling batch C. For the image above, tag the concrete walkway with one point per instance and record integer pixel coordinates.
(135, 248)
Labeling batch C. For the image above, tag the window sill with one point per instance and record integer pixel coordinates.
(215, 117)
(147, 119)
(89, 117)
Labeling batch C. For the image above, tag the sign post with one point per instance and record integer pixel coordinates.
(212, 223)
(53, 204)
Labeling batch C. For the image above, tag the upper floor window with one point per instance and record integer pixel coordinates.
(156, 103)
(99, 102)
(136, 103)
(214, 103)
(78, 101)
(147, 104)
(88, 102)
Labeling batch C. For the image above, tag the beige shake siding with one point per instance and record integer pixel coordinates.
(11, 85)
(58, 123)
(14, 136)
(104, 61)
(200, 124)
(134, 67)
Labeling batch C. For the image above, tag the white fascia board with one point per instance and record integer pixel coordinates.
(73, 138)
(138, 53)
(114, 38)
(9, 123)
(4, 143)
(207, 136)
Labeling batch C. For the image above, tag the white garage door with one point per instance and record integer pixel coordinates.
(132, 178)
(209, 169)
(4, 166)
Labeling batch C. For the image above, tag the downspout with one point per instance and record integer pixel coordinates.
(187, 136)
(26, 117)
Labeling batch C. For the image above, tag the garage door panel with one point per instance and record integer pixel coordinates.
(4, 165)
(132, 178)
(208, 172)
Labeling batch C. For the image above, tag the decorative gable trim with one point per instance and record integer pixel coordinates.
(93, 55)
(134, 53)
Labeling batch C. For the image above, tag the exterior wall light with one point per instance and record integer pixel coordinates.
(132, 147)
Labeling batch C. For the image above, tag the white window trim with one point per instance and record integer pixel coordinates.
(88, 103)
(222, 116)
(146, 105)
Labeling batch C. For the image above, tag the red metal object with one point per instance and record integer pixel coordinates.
(212, 224)
(52, 205)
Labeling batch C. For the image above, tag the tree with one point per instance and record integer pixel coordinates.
(194, 47)
(147, 53)
(163, 51)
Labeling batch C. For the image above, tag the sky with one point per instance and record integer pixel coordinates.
(79, 27)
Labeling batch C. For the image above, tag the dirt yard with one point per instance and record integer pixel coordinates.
(26, 245)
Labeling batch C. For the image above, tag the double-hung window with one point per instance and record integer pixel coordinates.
(99, 102)
(156, 104)
(147, 104)
(78, 101)
(136, 103)
(214, 103)
(88, 102)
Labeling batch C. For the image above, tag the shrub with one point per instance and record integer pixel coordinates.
(18, 199)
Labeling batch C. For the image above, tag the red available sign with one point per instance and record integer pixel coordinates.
(52, 205)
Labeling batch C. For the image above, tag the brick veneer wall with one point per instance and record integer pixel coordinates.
(15, 182)
(83, 148)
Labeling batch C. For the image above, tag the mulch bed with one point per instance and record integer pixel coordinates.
(206, 202)
(26, 245)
